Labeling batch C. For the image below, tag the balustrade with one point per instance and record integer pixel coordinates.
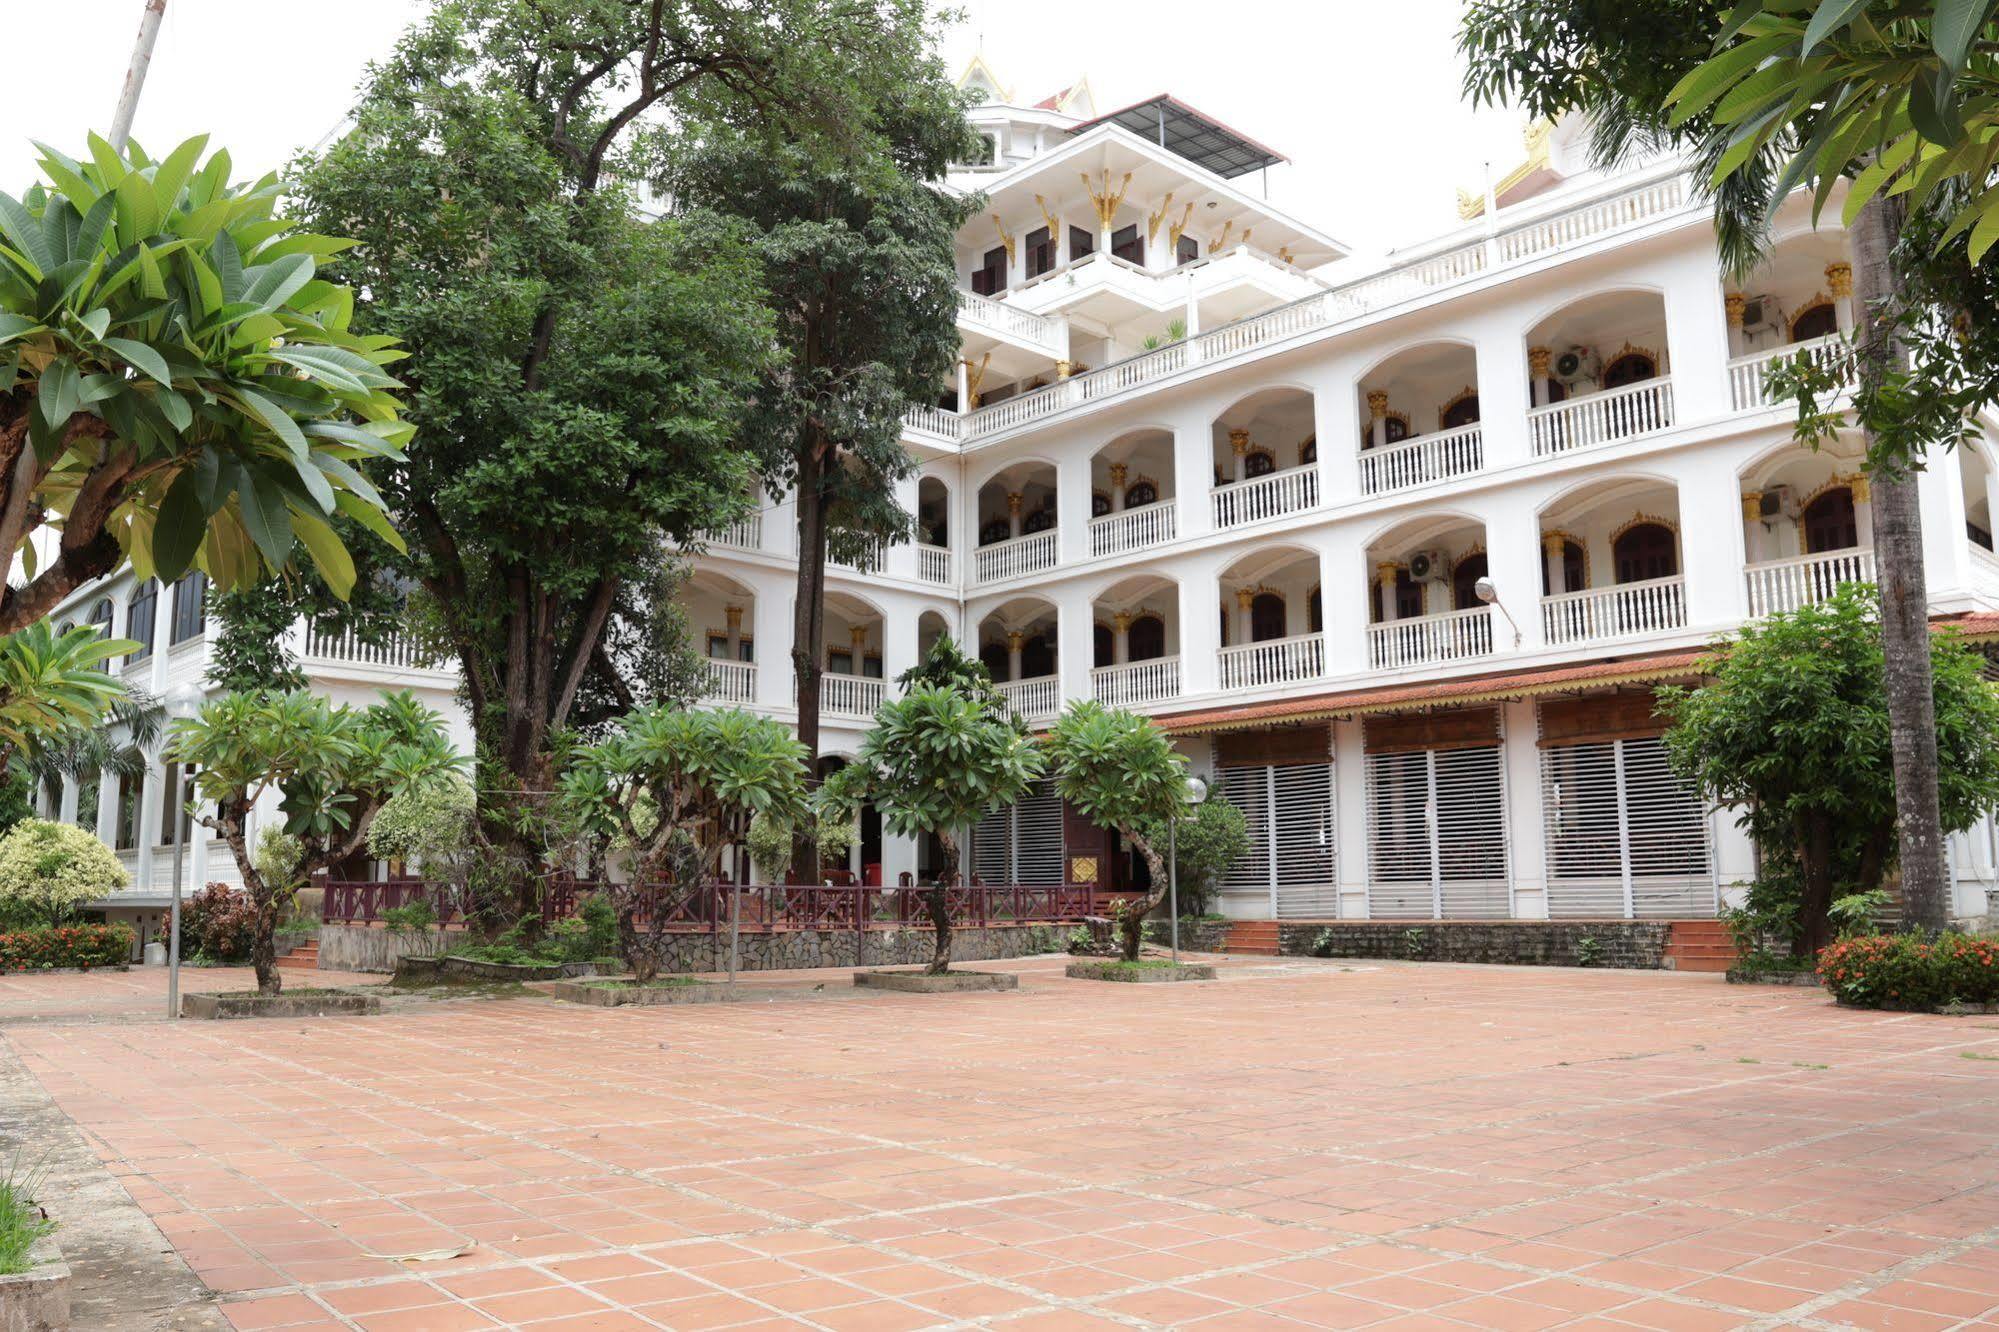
(1785, 585)
(1650, 607)
(1136, 682)
(1429, 639)
(1748, 376)
(1035, 553)
(1038, 699)
(1601, 418)
(1420, 461)
(1133, 529)
(1293, 490)
(731, 681)
(933, 564)
(1273, 661)
(849, 695)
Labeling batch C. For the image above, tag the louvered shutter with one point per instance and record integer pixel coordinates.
(992, 845)
(1248, 879)
(1037, 838)
(1437, 835)
(1303, 864)
(1624, 836)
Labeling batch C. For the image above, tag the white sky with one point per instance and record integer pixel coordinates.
(1362, 96)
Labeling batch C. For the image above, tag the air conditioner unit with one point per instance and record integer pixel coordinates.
(1763, 322)
(1425, 566)
(1778, 502)
(1578, 365)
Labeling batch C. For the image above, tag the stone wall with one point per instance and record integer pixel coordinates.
(1196, 936)
(365, 948)
(1547, 943)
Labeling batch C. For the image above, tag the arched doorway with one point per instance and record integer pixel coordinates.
(1145, 640)
(1575, 570)
(1829, 522)
(1645, 551)
(1266, 617)
(1464, 581)
(1630, 367)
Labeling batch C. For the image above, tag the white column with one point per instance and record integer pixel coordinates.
(1377, 418)
(1696, 333)
(1344, 588)
(1243, 630)
(1839, 285)
(1946, 553)
(1075, 648)
(1503, 398)
(1754, 547)
(1200, 627)
(1710, 497)
(770, 621)
(1193, 476)
(1553, 562)
(1239, 448)
(1013, 641)
(1863, 509)
(1515, 559)
(964, 386)
(1350, 816)
(1120, 638)
(1526, 844)
(1538, 361)
(1385, 579)
(1119, 472)
(899, 649)
(1338, 433)
(1013, 503)
(1072, 507)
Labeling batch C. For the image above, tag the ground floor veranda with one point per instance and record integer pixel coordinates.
(1302, 1144)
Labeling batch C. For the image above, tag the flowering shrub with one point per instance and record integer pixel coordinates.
(218, 925)
(1912, 971)
(52, 869)
(64, 946)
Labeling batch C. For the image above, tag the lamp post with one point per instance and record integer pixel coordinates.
(1488, 592)
(181, 701)
(1196, 792)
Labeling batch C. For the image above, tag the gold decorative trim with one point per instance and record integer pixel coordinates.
(1839, 279)
(1443, 412)
(1816, 301)
(1152, 220)
(1310, 442)
(1220, 243)
(1005, 239)
(1051, 221)
(1642, 519)
(1106, 203)
(1734, 302)
(1658, 362)
(1175, 230)
(1377, 404)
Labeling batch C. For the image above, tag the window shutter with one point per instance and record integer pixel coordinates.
(1247, 789)
(992, 845)
(1306, 870)
(1037, 838)
(1624, 837)
(1437, 835)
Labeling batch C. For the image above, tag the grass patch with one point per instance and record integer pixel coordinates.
(1144, 964)
(22, 1220)
(1974, 1054)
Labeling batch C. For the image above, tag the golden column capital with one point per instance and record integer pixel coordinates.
(1013, 500)
(1839, 280)
(1733, 302)
(1752, 506)
(1064, 369)
(735, 616)
(1118, 473)
(1863, 490)
(1121, 621)
(1377, 404)
(1386, 572)
(1244, 596)
(1014, 638)
(1239, 441)
(1538, 361)
(1554, 545)
(858, 636)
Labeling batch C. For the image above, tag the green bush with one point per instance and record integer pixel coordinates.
(63, 947)
(217, 924)
(1912, 971)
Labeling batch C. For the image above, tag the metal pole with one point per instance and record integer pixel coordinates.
(735, 926)
(1173, 880)
(173, 914)
(135, 73)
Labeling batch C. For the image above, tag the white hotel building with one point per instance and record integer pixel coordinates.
(1200, 463)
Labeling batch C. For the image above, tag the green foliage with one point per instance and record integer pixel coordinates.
(332, 767)
(600, 925)
(53, 683)
(51, 869)
(279, 855)
(65, 947)
(947, 666)
(431, 828)
(1589, 951)
(23, 1220)
(1791, 730)
(1856, 913)
(1912, 971)
(1208, 840)
(217, 925)
(190, 385)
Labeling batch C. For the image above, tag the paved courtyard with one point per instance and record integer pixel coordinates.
(1298, 1145)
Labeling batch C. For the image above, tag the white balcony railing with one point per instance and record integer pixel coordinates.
(868, 560)
(1653, 606)
(1418, 462)
(731, 682)
(933, 564)
(1748, 376)
(399, 652)
(747, 534)
(1784, 585)
(849, 695)
(1543, 228)
(1429, 639)
(1039, 699)
(1035, 553)
(1136, 682)
(1601, 418)
(1274, 661)
(1133, 529)
(1010, 321)
(1293, 490)
(936, 421)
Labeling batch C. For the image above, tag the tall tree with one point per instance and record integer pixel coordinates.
(579, 370)
(858, 255)
(1629, 64)
(177, 385)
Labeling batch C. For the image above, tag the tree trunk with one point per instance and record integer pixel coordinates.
(1905, 627)
(1816, 839)
(1131, 926)
(808, 638)
(937, 899)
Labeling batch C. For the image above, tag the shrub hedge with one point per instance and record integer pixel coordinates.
(1912, 971)
(217, 924)
(59, 947)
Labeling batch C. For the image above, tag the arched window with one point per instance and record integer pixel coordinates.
(1463, 411)
(140, 619)
(1645, 550)
(1103, 645)
(1829, 523)
(1408, 597)
(1100, 504)
(1464, 581)
(1037, 658)
(100, 617)
(1146, 639)
(994, 530)
(1575, 573)
(1814, 321)
(1139, 494)
(1040, 520)
(1266, 617)
(1258, 462)
(1395, 427)
(1631, 367)
(1308, 452)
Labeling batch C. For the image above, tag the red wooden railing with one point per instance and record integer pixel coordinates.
(763, 908)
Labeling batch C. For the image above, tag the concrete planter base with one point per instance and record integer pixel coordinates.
(923, 982)
(1737, 976)
(1132, 975)
(419, 970)
(37, 1300)
(509, 971)
(620, 996)
(285, 1004)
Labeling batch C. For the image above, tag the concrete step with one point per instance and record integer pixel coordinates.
(1251, 938)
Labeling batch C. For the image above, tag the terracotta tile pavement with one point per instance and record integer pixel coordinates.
(1299, 1145)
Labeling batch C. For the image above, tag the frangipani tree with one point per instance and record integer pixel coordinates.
(673, 789)
(333, 767)
(50, 870)
(177, 386)
(936, 760)
(1120, 771)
